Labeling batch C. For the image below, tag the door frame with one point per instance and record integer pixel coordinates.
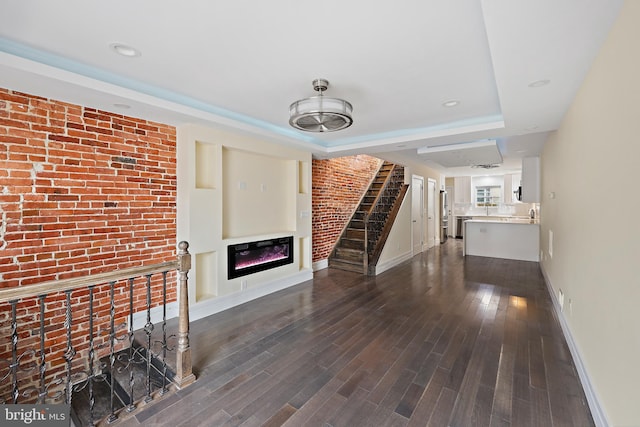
(431, 209)
(417, 206)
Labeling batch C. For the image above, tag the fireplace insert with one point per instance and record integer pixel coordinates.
(251, 257)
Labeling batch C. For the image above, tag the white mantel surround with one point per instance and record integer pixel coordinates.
(502, 239)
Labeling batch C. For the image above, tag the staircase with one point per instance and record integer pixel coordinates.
(362, 240)
(128, 376)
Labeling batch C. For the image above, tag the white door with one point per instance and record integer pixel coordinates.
(431, 213)
(417, 208)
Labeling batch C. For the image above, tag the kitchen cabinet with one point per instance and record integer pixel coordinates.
(462, 189)
(502, 239)
(531, 180)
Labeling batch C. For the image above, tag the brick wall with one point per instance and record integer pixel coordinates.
(82, 191)
(337, 187)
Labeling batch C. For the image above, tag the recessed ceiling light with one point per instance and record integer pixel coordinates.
(451, 103)
(124, 50)
(540, 83)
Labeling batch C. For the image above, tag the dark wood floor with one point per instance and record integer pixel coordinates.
(440, 340)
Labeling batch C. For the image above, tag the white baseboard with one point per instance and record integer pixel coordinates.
(382, 267)
(140, 318)
(597, 411)
(320, 265)
(224, 302)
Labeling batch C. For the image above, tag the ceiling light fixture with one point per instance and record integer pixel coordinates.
(125, 50)
(539, 83)
(319, 113)
(487, 166)
(451, 103)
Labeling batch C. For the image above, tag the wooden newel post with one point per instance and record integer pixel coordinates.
(184, 374)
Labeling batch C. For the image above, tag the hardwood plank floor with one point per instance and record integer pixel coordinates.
(440, 340)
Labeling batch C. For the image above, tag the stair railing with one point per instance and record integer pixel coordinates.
(42, 364)
(383, 234)
(376, 218)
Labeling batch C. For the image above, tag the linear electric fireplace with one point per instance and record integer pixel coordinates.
(251, 257)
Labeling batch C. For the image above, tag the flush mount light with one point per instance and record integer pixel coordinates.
(539, 83)
(125, 50)
(451, 103)
(487, 166)
(319, 113)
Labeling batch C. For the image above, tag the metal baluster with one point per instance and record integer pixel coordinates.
(14, 352)
(43, 368)
(91, 355)
(148, 328)
(131, 406)
(70, 353)
(112, 358)
(164, 334)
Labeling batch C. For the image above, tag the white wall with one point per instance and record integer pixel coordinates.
(426, 173)
(234, 188)
(398, 245)
(590, 165)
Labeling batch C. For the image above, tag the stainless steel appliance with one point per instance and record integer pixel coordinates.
(460, 226)
(444, 216)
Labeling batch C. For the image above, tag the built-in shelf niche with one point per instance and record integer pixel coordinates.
(206, 275)
(303, 177)
(206, 165)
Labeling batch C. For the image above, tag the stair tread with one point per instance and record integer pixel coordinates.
(122, 387)
(349, 252)
(345, 261)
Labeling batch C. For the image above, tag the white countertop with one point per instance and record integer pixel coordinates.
(506, 220)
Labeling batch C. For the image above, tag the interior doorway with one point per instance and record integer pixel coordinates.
(417, 218)
(431, 213)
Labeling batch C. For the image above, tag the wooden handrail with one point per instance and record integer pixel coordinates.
(86, 365)
(9, 294)
(384, 185)
(365, 220)
(346, 225)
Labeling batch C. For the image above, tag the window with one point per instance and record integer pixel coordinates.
(488, 195)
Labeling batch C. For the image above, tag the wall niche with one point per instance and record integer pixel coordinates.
(258, 194)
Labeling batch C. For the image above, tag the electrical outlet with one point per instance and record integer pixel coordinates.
(570, 307)
(561, 299)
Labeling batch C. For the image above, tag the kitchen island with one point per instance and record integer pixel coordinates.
(510, 239)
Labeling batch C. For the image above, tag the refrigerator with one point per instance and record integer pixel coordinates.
(444, 216)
